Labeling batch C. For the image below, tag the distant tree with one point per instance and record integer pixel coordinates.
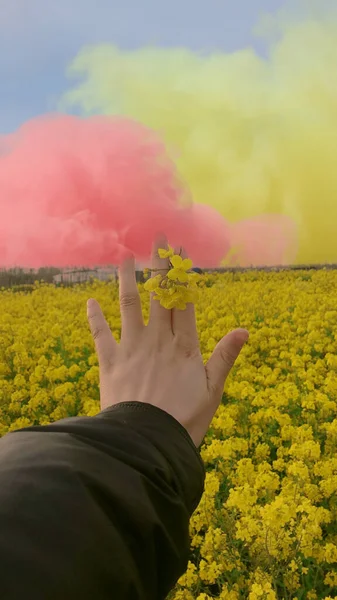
(18, 276)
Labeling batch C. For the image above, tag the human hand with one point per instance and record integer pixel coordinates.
(161, 363)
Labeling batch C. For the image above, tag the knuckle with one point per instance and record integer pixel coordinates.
(227, 358)
(97, 332)
(185, 345)
(95, 327)
(128, 300)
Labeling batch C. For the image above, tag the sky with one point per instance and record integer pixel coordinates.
(39, 38)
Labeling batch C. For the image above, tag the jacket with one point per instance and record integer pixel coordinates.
(97, 508)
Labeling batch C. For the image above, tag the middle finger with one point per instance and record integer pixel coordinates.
(160, 317)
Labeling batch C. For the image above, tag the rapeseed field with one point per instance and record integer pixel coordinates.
(266, 527)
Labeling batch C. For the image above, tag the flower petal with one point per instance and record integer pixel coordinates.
(173, 274)
(151, 284)
(176, 261)
(165, 253)
(194, 277)
(186, 264)
(182, 276)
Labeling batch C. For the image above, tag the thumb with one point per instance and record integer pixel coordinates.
(224, 357)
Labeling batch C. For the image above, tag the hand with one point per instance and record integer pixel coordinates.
(161, 363)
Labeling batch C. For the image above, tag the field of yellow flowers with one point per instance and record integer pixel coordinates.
(266, 527)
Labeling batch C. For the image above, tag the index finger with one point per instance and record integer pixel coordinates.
(105, 343)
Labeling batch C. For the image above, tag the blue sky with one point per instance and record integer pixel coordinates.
(38, 39)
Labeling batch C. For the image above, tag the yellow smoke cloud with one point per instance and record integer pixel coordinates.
(250, 135)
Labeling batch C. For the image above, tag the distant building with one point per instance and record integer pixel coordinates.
(71, 276)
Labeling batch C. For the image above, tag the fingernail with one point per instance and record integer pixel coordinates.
(128, 259)
(244, 337)
(181, 251)
(90, 303)
(241, 337)
(161, 240)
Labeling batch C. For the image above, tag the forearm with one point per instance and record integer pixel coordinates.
(97, 507)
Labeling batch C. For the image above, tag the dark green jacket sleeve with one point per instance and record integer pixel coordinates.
(97, 508)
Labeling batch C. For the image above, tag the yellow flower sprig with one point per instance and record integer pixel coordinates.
(178, 286)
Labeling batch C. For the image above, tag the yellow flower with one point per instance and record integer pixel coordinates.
(178, 287)
(176, 296)
(180, 268)
(153, 283)
(166, 253)
(190, 576)
(331, 579)
(331, 553)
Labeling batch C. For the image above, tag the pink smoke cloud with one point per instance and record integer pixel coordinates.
(86, 191)
(267, 240)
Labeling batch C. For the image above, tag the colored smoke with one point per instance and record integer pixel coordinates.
(254, 138)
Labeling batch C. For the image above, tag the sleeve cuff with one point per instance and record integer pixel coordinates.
(170, 438)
